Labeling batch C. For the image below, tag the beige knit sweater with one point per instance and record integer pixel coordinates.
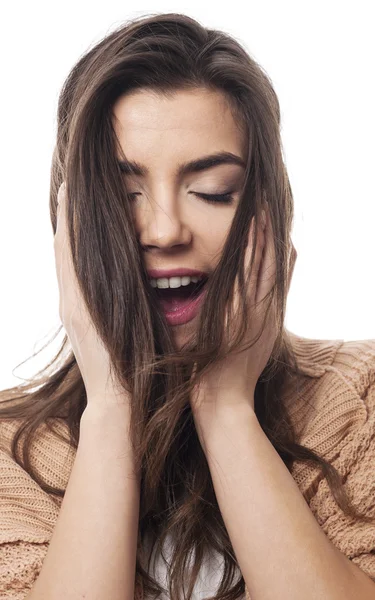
(333, 410)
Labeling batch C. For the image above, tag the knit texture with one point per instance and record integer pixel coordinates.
(332, 408)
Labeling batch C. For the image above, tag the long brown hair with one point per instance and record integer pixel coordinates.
(164, 53)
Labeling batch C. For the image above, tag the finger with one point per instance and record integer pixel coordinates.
(267, 271)
(247, 259)
(258, 256)
(292, 262)
(63, 259)
(255, 269)
(61, 195)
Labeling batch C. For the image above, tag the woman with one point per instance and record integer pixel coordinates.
(183, 412)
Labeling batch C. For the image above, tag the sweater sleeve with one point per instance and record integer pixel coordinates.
(355, 367)
(27, 518)
(20, 566)
(28, 515)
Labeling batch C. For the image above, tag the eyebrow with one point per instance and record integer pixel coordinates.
(194, 166)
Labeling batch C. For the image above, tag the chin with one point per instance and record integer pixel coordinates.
(183, 333)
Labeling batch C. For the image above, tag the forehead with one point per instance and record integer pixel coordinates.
(187, 119)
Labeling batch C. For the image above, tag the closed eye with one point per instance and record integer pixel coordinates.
(216, 198)
(226, 198)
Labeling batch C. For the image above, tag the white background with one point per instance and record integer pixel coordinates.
(320, 57)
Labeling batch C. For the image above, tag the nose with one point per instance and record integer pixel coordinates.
(164, 227)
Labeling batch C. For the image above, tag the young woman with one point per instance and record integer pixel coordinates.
(180, 420)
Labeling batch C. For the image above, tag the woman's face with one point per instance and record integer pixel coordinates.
(176, 227)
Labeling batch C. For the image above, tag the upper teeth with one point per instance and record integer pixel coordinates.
(173, 282)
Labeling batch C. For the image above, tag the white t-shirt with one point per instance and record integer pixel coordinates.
(209, 576)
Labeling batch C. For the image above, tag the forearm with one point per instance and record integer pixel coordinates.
(92, 553)
(281, 550)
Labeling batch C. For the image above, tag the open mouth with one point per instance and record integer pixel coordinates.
(184, 291)
(173, 298)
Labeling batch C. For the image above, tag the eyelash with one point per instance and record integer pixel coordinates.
(210, 198)
(217, 198)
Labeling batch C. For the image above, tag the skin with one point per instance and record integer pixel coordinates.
(176, 228)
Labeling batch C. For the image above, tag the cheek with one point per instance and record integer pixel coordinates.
(213, 234)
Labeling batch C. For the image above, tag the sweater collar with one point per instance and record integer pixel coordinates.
(313, 355)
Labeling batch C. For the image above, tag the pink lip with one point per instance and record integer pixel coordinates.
(187, 313)
(158, 273)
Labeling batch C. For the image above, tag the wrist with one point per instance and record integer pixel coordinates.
(211, 422)
(108, 430)
(107, 416)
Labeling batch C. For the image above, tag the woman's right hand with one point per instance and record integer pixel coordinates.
(92, 357)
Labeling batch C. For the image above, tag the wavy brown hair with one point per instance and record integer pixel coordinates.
(164, 53)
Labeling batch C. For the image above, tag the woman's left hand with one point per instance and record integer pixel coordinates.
(232, 382)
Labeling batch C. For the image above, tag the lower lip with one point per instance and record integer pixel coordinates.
(183, 315)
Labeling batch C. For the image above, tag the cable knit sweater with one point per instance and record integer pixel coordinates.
(333, 410)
